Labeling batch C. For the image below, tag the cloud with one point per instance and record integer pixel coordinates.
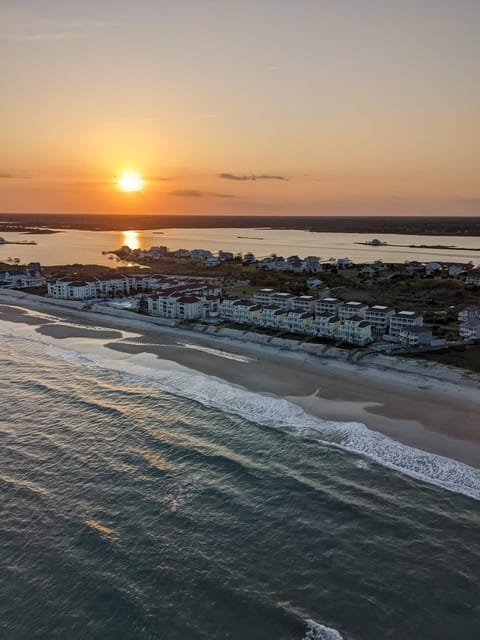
(11, 176)
(193, 193)
(46, 30)
(156, 179)
(263, 176)
(186, 193)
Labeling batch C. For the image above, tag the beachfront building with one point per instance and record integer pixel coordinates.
(379, 317)
(402, 320)
(246, 312)
(330, 305)
(283, 300)
(183, 307)
(226, 306)
(355, 330)
(263, 296)
(325, 325)
(350, 309)
(304, 303)
(297, 322)
(416, 336)
(271, 317)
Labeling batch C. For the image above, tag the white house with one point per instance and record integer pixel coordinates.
(245, 312)
(304, 303)
(297, 321)
(271, 317)
(331, 305)
(263, 296)
(404, 319)
(355, 330)
(325, 325)
(226, 306)
(379, 317)
(416, 336)
(284, 300)
(351, 309)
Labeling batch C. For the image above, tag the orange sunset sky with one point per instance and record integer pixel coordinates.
(241, 107)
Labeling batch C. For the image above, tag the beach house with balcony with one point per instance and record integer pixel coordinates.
(351, 309)
(297, 322)
(379, 317)
(325, 325)
(271, 317)
(402, 320)
(416, 336)
(355, 330)
(330, 305)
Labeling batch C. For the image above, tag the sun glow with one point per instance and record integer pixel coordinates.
(130, 181)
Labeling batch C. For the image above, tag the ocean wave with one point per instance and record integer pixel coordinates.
(317, 631)
(352, 437)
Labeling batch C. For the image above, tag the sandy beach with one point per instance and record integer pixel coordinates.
(419, 409)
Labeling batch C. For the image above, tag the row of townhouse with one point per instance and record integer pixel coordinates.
(353, 329)
(91, 288)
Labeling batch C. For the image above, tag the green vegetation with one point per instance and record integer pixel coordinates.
(463, 356)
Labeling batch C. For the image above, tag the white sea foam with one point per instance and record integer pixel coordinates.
(317, 631)
(216, 352)
(352, 437)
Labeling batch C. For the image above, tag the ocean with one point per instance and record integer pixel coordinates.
(134, 508)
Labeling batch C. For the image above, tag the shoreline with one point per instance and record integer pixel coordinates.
(415, 407)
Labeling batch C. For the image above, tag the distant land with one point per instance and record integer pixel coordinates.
(375, 225)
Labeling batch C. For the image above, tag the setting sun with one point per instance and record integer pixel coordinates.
(130, 181)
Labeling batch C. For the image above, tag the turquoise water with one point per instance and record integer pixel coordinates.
(129, 512)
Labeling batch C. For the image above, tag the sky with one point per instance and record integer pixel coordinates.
(268, 107)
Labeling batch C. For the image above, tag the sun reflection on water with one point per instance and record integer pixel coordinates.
(131, 239)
